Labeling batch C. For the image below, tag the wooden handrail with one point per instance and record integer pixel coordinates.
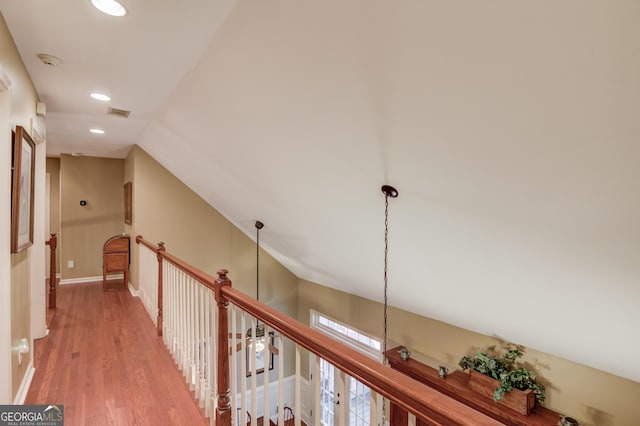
(141, 240)
(415, 397)
(426, 403)
(200, 276)
(53, 280)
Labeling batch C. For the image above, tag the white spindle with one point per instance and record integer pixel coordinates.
(213, 372)
(296, 392)
(373, 408)
(233, 364)
(316, 391)
(411, 420)
(243, 368)
(265, 375)
(280, 382)
(254, 380)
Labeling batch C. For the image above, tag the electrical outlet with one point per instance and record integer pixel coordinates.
(71, 264)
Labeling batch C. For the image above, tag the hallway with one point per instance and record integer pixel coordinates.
(103, 361)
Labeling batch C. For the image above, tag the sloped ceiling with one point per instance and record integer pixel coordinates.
(509, 128)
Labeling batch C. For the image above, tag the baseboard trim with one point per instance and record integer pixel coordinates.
(90, 279)
(133, 291)
(21, 396)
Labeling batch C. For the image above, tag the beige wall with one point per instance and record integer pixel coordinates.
(165, 209)
(591, 396)
(20, 323)
(15, 305)
(100, 182)
(53, 168)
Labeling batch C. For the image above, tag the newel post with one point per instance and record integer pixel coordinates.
(52, 243)
(161, 249)
(223, 411)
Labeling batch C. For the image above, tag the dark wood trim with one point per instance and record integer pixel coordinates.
(161, 249)
(223, 411)
(140, 240)
(456, 386)
(53, 280)
(128, 203)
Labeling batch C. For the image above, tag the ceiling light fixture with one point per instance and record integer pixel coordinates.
(389, 192)
(110, 7)
(259, 338)
(97, 131)
(100, 97)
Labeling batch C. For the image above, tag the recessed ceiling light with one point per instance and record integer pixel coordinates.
(110, 7)
(97, 131)
(100, 96)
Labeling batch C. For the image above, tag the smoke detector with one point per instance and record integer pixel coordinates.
(49, 59)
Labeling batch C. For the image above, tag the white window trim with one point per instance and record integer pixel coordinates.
(345, 339)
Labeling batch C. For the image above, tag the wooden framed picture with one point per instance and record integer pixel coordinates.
(22, 189)
(128, 216)
(260, 357)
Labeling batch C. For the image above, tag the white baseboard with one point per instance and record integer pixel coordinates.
(91, 279)
(24, 386)
(133, 291)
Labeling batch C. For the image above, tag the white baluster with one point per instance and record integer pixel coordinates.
(243, 368)
(316, 391)
(373, 408)
(265, 375)
(280, 382)
(296, 396)
(254, 397)
(411, 420)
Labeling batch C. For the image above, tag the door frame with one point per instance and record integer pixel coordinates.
(339, 331)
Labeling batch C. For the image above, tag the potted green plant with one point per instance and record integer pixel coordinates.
(507, 376)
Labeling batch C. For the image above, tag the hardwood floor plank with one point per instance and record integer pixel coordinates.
(103, 361)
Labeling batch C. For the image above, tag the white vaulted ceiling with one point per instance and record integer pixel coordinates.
(510, 129)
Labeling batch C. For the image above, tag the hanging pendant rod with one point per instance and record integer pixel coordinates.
(389, 192)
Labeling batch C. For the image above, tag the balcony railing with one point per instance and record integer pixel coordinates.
(203, 321)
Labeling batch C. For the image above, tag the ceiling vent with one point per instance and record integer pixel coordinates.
(118, 112)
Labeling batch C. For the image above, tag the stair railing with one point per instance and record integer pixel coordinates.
(197, 316)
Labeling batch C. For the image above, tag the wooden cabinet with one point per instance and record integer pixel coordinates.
(115, 257)
(456, 386)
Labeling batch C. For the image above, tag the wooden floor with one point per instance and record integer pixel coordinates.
(103, 361)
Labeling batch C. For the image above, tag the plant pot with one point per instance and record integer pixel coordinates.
(520, 401)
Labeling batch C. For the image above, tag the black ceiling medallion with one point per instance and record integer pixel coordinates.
(389, 191)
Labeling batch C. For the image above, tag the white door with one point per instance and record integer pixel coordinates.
(329, 394)
(343, 400)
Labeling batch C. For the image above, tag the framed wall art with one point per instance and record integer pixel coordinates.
(128, 214)
(22, 181)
